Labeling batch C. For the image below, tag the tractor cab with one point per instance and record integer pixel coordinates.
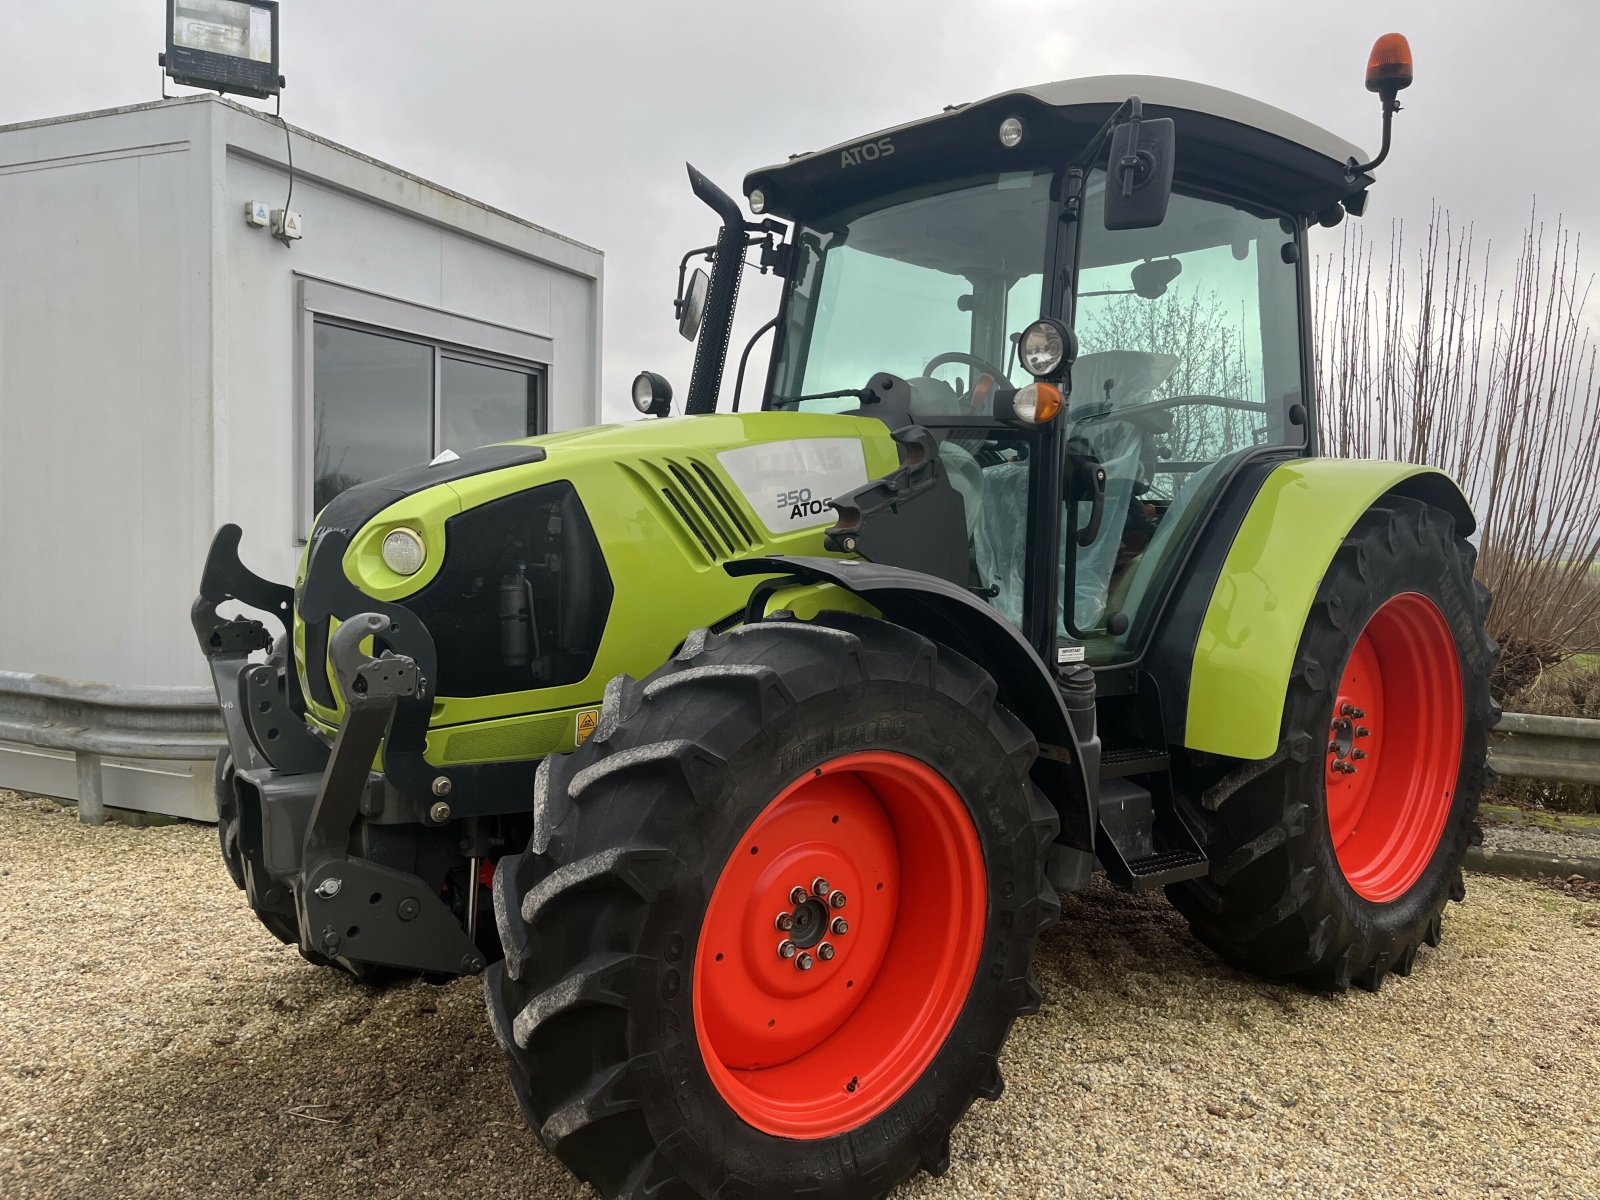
(929, 251)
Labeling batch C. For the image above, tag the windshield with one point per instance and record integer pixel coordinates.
(928, 285)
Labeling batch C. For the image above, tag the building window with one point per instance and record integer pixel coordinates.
(387, 385)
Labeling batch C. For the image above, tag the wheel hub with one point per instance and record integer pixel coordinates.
(808, 923)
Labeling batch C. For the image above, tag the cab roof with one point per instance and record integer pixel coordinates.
(1226, 142)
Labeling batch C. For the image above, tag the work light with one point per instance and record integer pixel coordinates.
(403, 551)
(652, 394)
(1010, 132)
(758, 202)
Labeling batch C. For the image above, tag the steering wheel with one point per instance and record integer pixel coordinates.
(977, 396)
(961, 356)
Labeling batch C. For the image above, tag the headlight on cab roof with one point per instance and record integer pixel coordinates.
(404, 551)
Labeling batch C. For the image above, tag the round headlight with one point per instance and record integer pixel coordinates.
(403, 551)
(1042, 348)
(1037, 402)
(758, 202)
(1010, 132)
(652, 394)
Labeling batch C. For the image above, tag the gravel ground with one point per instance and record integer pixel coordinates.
(1573, 843)
(158, 1043)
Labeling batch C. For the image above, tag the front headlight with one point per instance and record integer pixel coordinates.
(1043, 347)
(404, 551)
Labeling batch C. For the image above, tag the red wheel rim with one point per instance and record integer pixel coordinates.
(882, 842)
(1394, 747)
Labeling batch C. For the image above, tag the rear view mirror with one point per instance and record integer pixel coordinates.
(692, 308)
(1139, 173)
(1150, 279)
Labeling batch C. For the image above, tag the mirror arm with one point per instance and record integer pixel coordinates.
(1132, 105)
(683, 266)
(1128, 164)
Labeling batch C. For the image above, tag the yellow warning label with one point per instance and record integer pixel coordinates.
(588, 721)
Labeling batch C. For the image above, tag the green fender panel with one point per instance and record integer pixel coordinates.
(1252, 627)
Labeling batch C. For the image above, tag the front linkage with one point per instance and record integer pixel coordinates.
(303, 822)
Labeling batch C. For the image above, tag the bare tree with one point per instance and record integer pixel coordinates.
(1422, 359)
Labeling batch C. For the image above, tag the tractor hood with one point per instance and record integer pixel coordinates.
(550, 564)
(1226, 142)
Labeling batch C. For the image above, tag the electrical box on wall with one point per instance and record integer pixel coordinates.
(257, 213)
(286, 224)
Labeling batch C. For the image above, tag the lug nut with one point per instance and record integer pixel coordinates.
(798, 896)
(1358, 754)
(804, 963)
(1358, 713)
(1347, 710)
(1333, 747)
(819, 885)
(825, 951)
(1363, 731)
(840, 926)
(784, 922)
(837, 899)
(786, 949)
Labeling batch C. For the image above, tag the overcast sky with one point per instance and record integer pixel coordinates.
(580, 116)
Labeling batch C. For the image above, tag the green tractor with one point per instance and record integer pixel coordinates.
(745, 753)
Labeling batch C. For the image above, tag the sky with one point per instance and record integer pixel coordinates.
(580, 116)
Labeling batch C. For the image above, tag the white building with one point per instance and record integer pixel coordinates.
(167, 366)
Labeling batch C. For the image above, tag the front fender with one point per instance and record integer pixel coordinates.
(952, 616)
(1251, 629)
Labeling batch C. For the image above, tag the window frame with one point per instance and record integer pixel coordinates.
(447, 334)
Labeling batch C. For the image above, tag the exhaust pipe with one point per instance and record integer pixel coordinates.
(727, 268)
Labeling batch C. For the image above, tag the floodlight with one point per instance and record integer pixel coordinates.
(224, 45)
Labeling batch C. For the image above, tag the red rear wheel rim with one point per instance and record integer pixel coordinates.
(1394, 747)
(882, 842)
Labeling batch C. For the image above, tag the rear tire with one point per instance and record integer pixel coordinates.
(1334, 864)
(643, 987)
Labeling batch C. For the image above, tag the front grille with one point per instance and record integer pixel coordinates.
(696, 505)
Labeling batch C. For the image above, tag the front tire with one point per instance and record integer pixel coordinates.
(674, 1026)
(1334, 864)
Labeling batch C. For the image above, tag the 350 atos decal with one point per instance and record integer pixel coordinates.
(790, 483)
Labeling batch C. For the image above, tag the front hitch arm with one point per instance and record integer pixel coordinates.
(261, 703)
(353, 906)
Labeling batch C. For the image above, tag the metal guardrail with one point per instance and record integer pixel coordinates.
(1553, 749)
(92, 720)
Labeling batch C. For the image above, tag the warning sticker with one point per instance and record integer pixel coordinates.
(588, 722)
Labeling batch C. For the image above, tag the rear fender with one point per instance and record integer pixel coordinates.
(953, 617)
(1250, 633)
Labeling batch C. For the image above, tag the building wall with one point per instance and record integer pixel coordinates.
(104, 367)
(148, 383)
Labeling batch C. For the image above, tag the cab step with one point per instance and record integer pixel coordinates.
(1143, 845)
(1133, 760)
